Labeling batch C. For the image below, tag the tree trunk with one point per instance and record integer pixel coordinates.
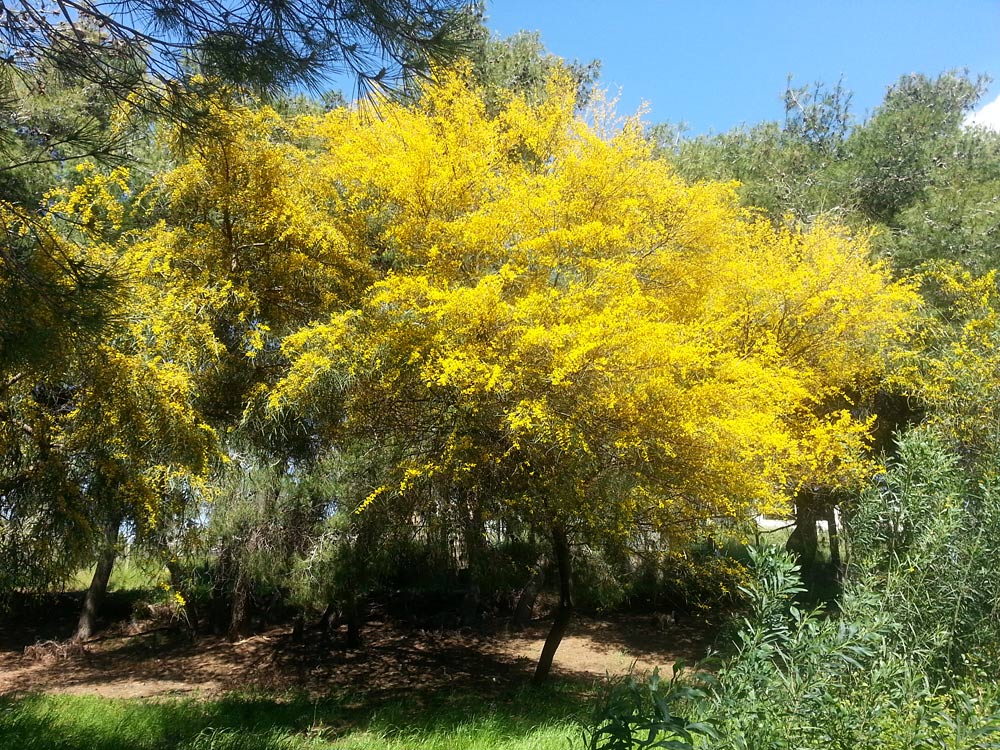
(326, 620)
(239, 611)
(564, 561)
(87, 623)
(804, 540)
(471, 605)
(836, 562)
(468, 575)
(299, 627)
(525, 607)
(355, 620)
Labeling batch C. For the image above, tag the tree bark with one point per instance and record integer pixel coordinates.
(564, 613)
(471, 604)
(525, 608)
(98, 588)
(299, 627)
(355, 621)
(239, 611)
(326, 620)
(836, 561)
(804, 541)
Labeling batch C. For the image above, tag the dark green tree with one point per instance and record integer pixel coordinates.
(519, 64)
(821, 160)
(263, 44)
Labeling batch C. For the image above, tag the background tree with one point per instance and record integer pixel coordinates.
(519, 64)
(790, 168)
(898, 169)
(911, 169)
(238, 251)
(111, 437)
(48, 127)
(909, 140)
(70, 67)
(264, 45)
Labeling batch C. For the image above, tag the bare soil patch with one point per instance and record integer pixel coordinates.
(395, 658)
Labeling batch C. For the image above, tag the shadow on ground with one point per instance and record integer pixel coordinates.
(404, 680)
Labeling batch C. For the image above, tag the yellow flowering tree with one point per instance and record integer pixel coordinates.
(213, 260)
(243, 245)
(110, 436)
(575, 336)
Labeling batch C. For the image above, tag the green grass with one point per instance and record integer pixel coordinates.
(526, 719)
(128, 574)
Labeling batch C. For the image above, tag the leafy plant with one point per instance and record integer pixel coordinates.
(637, 712)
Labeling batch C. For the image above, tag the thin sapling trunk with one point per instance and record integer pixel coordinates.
(564, 612)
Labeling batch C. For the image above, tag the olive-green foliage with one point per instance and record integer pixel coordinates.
(801, 679)
(47, 127)
(424, 552)
(957, 220)
(908, 658)
(703, 583)
(263, 517)
(955, 217)
(911, 167)
(518, 65)
(795, 168)
(598, 580)
(639, 714)
(347, 555)
(911, 137)
(926, 538)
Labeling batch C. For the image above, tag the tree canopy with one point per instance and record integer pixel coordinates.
(566, 327)
(110, 387)
(266, 45)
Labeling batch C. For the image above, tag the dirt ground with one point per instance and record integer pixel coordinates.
(146, 661)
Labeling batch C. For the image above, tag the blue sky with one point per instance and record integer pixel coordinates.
(715, 65)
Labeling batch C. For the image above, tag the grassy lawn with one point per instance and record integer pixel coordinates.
(524, 719)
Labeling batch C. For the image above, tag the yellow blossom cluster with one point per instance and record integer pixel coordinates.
(563, 319)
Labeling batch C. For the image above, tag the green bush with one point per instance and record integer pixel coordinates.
(641, 713)
(926, 540)
(866, 677)
(702, 584)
